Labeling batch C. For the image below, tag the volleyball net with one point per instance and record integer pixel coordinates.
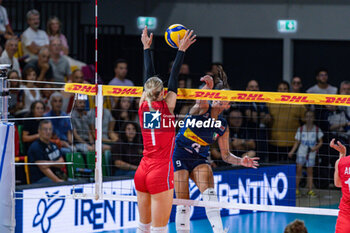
(107, 147)
(261, 124)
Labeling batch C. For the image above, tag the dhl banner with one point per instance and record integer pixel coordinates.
(238, 96)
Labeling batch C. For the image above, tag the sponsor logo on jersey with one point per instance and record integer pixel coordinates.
(151, 120)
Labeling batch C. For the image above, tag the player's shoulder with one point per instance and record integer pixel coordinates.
(222, 119)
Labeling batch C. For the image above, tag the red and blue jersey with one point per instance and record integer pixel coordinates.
(158, 130)
(199, 132)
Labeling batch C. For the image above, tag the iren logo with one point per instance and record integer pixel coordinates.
(47, 209)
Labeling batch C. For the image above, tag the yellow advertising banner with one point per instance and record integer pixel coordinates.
(238, 96)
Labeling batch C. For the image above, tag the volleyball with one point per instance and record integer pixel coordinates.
(172, 33)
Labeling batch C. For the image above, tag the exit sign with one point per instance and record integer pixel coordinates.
(150, 22)
(287, 25)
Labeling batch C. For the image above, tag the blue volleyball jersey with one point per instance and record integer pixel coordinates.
(198, 139)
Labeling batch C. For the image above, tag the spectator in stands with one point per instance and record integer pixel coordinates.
(45, 96)
(16, 100)
(60, 65)
(108, 123)
(256, 113)
(7, 56)
(322, 86)
(5, 27)
(286, 120)
(30, 95)
(182, 81)
(42, 67)
(345, 90)
(258, 117)
(53, 30)
(242, 140)
(308, 140)
(61, 126)
(34, 39)
(183, 106)
(122, 112)
(296, 227)
(120, 72)
(83, 139)
(185, 69)
(30, 127)
(214, 69)
(339, 124)
(76, 77)
(44, 151)
(127, 153)
(297, 85)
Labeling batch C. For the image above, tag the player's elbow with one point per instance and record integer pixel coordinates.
(225, 157)
(337, 184)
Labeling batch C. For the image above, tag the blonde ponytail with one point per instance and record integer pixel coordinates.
(152, 89)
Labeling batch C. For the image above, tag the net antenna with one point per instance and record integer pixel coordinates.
(98, 120)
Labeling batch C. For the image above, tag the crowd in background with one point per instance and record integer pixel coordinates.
(269, 131)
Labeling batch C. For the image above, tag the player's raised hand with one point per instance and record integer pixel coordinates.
(209, 82)
(338, 147)
(146, 40)
(250, 162)
(187, 40)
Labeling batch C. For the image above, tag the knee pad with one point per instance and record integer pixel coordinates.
(159, 229)
(182, 220)
(143, 228)
(209, 195)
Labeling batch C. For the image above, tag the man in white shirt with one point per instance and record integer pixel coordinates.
(59, 63)
(322, 86)
(7, 57)
(5, 27)
(120, 72)
(33, 38)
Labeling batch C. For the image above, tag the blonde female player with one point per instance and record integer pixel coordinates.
(342, 180)
(154, 178)
(190, 158)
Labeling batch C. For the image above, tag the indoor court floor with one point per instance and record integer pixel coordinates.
(264, 222)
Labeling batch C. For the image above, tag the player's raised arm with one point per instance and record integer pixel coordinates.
(202, 106)
(184, 44)
(342, 153)
(148, 62)
(230, 158)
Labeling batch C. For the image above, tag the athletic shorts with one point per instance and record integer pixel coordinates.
(343, 223)
(154, 176)
(187, 160)
(307, 160)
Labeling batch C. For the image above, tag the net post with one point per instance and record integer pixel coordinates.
(7, 159)
(98, 144)
(4, 92)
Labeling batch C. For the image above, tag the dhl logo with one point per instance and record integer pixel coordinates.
(202, 94)
(244, 96)
(337, 100)
(83, 88)
(294, 98)
(124, 91)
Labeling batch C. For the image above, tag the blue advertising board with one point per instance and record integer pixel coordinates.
(273, 185)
